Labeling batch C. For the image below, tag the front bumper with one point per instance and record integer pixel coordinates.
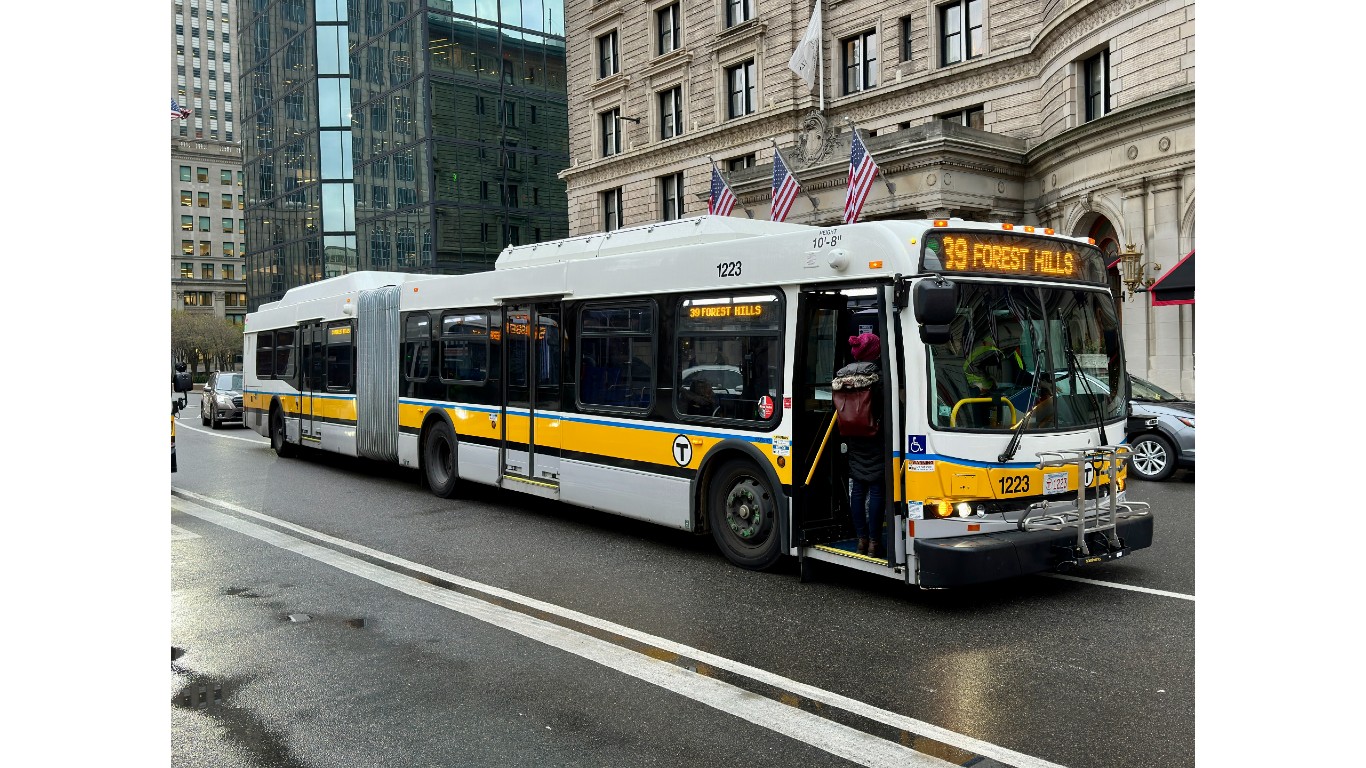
(964, 560)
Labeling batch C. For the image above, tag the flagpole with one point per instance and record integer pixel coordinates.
(820, 57)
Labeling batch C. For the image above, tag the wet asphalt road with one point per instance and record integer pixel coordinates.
(292, 661)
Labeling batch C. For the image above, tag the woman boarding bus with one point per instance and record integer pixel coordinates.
(571, 371)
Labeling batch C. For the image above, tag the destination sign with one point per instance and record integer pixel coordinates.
(1007, 254)
(724, 311)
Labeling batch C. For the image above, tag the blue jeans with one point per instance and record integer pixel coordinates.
(867, 516)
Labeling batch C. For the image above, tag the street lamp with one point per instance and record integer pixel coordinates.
(1134, 271)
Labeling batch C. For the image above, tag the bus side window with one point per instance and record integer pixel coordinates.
(284, 354)
(265, 355)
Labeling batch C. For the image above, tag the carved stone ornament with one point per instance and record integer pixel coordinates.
(815, 139)
(931, 180)
(1131, 152)
(1164, 143)
(948, 179)
(1053, 181)
(1000, 187)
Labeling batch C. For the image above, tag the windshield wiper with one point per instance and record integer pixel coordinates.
(1074, 370)
(1014, 444)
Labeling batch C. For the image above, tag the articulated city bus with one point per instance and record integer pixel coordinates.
(680, 373)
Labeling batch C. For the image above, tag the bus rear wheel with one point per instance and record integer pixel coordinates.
(438, 460)
(278, 442)
(742, 512)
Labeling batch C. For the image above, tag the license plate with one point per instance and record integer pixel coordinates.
(1054, 482)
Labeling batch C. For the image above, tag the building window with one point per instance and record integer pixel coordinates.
(202, 174)
(666, 27)
(227, 225)
(205, 248)
(225, 178)
(203, 199)
(960, 31)
(671, 197)
(740, 163)
(671, 112)
(233, 299)
(205, 271)
(227, 202)
(239, 203)
(860, 62)
(187, 223)
(186, 267)
(1096, 71)
(199, 298)
(228, 250)
(740, 85)
(185, 173)
(972, 117)
(203, 223)
(186, 198)
(228, 273)
(738, 11)
(611, 209)
(611, 138)
(607, 55)
(906, 41)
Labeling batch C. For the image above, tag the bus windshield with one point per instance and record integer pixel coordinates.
(1028, 356)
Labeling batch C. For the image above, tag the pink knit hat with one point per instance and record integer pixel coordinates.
(866, 347)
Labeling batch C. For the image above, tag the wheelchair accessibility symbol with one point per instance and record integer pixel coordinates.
(915, 444)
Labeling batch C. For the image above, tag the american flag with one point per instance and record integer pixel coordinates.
(785, 188)
(862, 171)
(722, 200)
(178, 112)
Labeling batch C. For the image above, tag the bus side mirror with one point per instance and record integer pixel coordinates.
(936, 303)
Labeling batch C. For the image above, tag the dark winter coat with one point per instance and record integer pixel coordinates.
(865, 454)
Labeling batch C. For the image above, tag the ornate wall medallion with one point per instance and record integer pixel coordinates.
(1131, 152)
(931, 180)
(1164, 143)
(815, 139)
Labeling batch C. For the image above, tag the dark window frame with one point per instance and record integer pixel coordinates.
(779, 336)
(609, 55)
(671, 183)
(958, 43)
(653, 335)
(748, 72)
(443, 338)
(740, 11)
(332, 341)
(620, 211)
(668, 27)
(411, 336)
(609, 123)
(857, 74)
(1093, 101)
(671, 118)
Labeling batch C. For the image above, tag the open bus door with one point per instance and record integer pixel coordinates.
(825, 321)
(819, 474)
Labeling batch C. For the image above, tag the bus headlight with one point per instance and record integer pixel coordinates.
(963, 509)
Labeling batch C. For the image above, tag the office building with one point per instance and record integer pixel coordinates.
(207, 228)
(403, 135)
(1078, 116)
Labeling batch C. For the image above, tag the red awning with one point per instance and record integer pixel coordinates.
(1177, 286)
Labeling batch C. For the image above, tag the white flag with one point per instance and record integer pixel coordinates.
(807, 56)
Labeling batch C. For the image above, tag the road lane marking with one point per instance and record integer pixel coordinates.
(178, 533)
(844, 741)
(258, 440)
(1114, 585)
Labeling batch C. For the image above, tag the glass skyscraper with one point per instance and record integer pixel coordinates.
(404, 135)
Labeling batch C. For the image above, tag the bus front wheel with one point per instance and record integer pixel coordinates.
(438, 460)
(278, 441)
(742, 512)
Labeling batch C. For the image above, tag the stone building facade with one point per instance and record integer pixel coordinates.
(1073, 114)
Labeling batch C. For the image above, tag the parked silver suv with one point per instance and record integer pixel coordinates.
(1161, 431)
(222, 399)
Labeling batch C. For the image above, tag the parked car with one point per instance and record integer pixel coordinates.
(222, 399)
(724, 379)
(1161, 431)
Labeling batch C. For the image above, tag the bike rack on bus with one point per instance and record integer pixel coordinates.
(1105, 517)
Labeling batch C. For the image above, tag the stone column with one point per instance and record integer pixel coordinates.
(1130, 229)
(1166, 359)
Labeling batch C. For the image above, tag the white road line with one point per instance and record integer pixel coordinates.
(901, 756)
(258, 439)
(178, 533)
(1113, 585)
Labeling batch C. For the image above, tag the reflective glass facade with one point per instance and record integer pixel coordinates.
(405, 135)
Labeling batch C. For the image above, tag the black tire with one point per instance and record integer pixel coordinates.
(742, 512)
(283, 448)
(214, 421)
(438, 460)
(1152, 458)
(202, 418)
